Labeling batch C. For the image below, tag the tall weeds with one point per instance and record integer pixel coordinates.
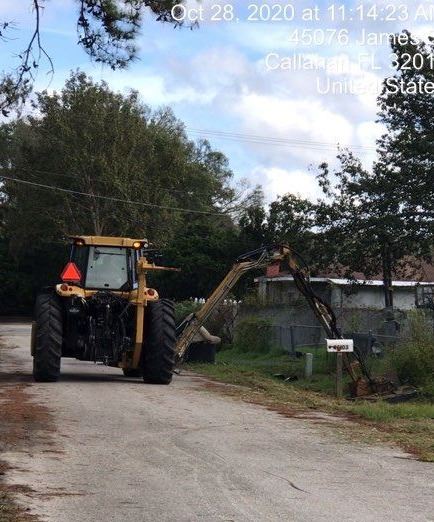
(414, 359)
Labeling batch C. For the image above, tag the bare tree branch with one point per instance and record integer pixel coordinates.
(14, 88)
(107, 31)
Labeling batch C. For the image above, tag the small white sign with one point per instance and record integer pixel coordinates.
(340, 345)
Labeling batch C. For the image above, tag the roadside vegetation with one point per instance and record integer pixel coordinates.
(267, 376)
(414, 360)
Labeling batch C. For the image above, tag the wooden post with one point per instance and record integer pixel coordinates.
(308, 365)
(292, 339)
(339, 384)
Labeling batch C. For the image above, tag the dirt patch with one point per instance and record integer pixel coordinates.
(22, 418)
(24, 423)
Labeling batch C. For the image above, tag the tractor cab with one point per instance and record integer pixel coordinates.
(103, 263)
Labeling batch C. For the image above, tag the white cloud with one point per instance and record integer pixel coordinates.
(219, 67)
(368, 132)
(294, 117)
(277, 181)
(303, 120)
(155, 89)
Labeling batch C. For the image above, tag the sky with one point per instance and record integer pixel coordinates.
(239, 83)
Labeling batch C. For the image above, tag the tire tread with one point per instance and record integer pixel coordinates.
(159, 345)
(48, 338)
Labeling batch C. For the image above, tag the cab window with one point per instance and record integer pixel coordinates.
(107, 268)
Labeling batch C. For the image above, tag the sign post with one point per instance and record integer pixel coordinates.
(339, 346)
(339, 383)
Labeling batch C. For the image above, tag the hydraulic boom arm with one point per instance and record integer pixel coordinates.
(257, 259)
(190, 327)
(356, 368)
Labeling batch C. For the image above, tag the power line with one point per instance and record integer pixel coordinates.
(109, 198)
(104, 182)
(273, 140)
(260, 142)
(270, 140)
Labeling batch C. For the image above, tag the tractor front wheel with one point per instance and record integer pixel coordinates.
(159, 344)
(48, 338)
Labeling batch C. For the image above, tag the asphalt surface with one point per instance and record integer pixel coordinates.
(125, 451)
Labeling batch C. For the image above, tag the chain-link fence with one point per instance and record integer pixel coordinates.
(294, 337)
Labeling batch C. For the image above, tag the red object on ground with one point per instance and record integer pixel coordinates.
(71, 273)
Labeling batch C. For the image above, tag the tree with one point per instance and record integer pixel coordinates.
(362, 226)
(204, 248)
(253, 223)
(107, 31)
(118, 167)
(377, 221)
(288, 219)
(291, 220)
(405, 152)
(100, 163)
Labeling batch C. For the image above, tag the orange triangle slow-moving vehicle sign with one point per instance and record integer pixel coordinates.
(71, 273)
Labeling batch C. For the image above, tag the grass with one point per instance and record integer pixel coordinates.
(385, 412)
(410, 424)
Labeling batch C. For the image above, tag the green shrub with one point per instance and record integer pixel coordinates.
(253, 335)
(414, 360)
(185, 308)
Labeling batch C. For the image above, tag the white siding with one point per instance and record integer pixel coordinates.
(373, 297)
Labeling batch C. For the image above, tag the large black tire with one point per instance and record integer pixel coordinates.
(159, 346)
(48, 338)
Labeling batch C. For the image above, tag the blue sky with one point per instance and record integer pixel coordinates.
(217, 79)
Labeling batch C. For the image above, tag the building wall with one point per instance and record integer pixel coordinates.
(364, 297)
(282, 304)
(285, 292)
(303, 318)
(372, 297)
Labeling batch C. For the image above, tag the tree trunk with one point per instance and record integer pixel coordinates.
(387, 277)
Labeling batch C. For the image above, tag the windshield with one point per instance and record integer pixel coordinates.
(107, 268)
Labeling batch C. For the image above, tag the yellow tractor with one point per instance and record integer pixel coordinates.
(103, 311)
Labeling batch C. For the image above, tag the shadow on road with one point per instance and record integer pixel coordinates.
(97, 378)
(15, 377)
(22, 377)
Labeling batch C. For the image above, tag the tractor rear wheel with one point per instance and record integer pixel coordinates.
(48, 338)
(159, 345)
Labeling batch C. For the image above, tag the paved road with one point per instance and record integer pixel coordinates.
(124, 451)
